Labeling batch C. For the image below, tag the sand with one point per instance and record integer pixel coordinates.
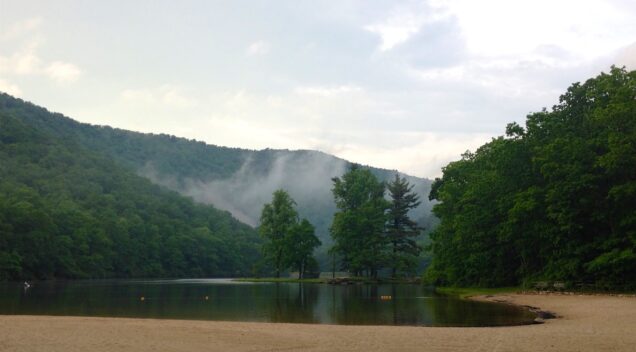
(585, 323)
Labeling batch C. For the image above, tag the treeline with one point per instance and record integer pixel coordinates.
(371, 230)
(70, 212)
(175, 162)
(555, 200)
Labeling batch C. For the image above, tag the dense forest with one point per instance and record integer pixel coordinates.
(237, 180)
(554, 200)
(69, 211)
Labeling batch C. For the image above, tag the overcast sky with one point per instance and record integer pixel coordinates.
(406, 85)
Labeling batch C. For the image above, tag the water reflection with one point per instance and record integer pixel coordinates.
(279, 302)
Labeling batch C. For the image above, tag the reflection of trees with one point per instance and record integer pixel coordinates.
(455, 312)
(293, 303)
(283, 302)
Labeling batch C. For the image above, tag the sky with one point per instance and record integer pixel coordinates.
(406, 85)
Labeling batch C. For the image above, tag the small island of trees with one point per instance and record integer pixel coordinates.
(370, 232)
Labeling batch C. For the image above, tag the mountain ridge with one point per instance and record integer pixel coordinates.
(233, 179)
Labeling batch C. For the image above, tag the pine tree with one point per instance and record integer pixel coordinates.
(358, 226)
(400, 229)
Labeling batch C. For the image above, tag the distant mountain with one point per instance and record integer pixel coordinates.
(237, 180)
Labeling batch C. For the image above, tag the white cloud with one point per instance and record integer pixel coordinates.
(20, 28)
(173, 96)
(502, 27)
(627, 57)
(26, 61)
(62, 71)
(404, 22)
(328, 91)
(165, 95)
(138, 96)
(415, 153)
(23, 62)
(10, 88)
(258, 48)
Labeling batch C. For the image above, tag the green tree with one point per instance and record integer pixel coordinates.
(290, 241)
(400, 229)
(358, 226)
(277, 221)
(68, 211)
(555, 200)
(299, 246)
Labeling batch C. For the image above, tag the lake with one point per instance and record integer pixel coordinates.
(223, 299)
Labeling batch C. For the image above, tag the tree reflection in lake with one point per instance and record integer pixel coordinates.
(276, 302)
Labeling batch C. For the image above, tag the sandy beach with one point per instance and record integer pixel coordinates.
(585, 323)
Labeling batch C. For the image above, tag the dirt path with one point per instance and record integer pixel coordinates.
(586, 323)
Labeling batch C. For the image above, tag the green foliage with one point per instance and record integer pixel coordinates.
(288, 240)
(178, 163)
(299, 247)
(554, 200)
(67, 211)
(400, 229)
(358, 226)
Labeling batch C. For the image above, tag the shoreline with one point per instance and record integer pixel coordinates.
(585, 323)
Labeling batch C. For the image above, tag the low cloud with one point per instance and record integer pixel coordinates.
(10, 88)
(306, 176)
(26, 60)
(328, 91)
(258, 48)
(62, 71)
(627, 57)
(20, 28)
(166, 95)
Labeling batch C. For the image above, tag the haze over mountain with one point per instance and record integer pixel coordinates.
(69, 211)
(237, 180)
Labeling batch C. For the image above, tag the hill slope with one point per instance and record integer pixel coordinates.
(237, 180)
(67, 211)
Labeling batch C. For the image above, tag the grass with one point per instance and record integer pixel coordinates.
(465, 292)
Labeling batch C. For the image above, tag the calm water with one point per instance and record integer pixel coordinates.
(264, 302)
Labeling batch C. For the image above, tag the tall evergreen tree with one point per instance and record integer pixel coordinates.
(400, 229)
(358, 226)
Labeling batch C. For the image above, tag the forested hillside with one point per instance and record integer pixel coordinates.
(237, 180)
(68, 211)
(555, 200)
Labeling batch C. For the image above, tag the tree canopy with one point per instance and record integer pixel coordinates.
(555, 199)
(67, 211)
(289, 241)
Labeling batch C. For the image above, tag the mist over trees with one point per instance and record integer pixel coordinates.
(70, 212)
(553, 200)
(236, 180)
